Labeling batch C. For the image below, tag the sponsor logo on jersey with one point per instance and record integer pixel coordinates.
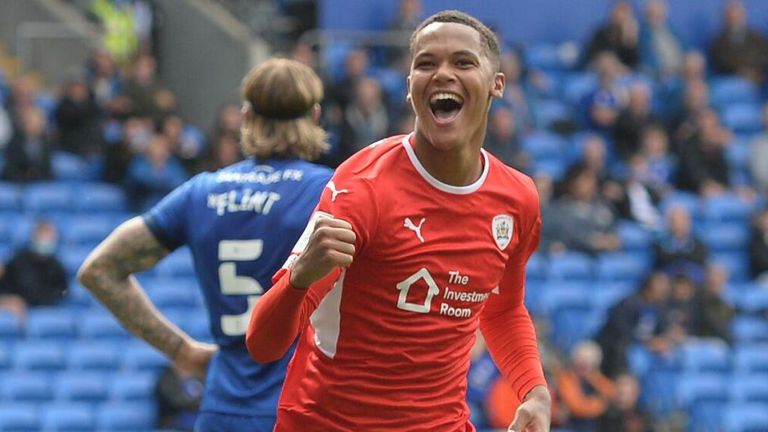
(501, 228)
(335, 192)
(408, 223)
(265, 175)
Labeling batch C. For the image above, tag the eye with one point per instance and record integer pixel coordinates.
(423, 64)
(464, 63)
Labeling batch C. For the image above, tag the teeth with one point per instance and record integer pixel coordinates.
(446, 96)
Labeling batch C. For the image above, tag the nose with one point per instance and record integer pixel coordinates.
(444, 72)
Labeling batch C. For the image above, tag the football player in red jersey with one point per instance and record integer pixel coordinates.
(417, 241)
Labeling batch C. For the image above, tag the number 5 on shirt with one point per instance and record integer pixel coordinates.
(231, 283)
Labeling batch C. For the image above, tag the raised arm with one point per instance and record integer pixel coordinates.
(108, 274)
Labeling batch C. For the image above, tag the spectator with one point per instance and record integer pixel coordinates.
(6, 128)
(482, 374)
(583, 389)
(640, 200)
(224, 152)
(34, 276)
(343, 91)
(659, 165)
(682, 310)
(106, 85)
(407, 19)
(365, 119)
(758, 247)
(661, 48)
(738, 49)
(758, 156)
(189, 151)
(580, 220)
(624, 414)
(228, 121)
(503, 138)
(604, 104)
(78, 121)
(678, 249)
(516, 96)
(632, 120)
(639, 318)
(619, 35)
(148, 97)
(671, 107)
(714, 313)
(22, 96)
(178, 396)
(703, 166)
(683, 122)
(28, 155)
(153, 174)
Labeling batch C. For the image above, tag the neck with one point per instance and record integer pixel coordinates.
(456, 167)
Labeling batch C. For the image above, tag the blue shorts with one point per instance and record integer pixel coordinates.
(219, 422)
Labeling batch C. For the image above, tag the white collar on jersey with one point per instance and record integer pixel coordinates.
(457, 190)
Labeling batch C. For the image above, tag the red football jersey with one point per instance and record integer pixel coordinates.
(387, 346)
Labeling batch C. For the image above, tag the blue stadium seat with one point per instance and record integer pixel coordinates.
(727, 208)
(726, 237)
(737, 154)
(78, 298)
(634, 237)
(746, 388)
(690, 201)
(10, 327)
(132, 387)
(549, 111)
(735, 262)
(77, 386)
(702, 396)
(90, 355)
(195, 135)
(173, 293)
(542, 145)
(748, 329)
(752, 417)
(68, 416)
(10, 196)
(743, 117)
(19, 416)
(101, 326)
(755, 300)
(544, 56)
(142, 357)
(51, 323)
(751, 359)
(69, 167)
(101, 197)
(177, 264)
(730, 90)
(38, 355)
(579, 85)
(605, 295)
(570, 266)
(42, 198)
(126, 417)
(705, 355)
(621, 266)
(72, 257)
(5, 355)
(565, 295)
(28, 387)
(87, 230)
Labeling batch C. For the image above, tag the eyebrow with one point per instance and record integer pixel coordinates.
(454, 53)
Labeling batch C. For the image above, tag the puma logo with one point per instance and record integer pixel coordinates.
(335, 192)
(417, 229)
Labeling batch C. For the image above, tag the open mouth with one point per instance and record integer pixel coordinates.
(445, 106)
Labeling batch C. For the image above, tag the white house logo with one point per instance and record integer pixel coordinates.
(334, 191)
(415, 228)
(405, 286)
(501, 228)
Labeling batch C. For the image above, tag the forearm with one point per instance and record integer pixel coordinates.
(127, 301)
(511, 340)
(107, 274)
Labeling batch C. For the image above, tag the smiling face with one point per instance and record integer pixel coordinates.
(451, 83)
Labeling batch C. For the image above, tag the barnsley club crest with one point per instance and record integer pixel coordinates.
(501, 228)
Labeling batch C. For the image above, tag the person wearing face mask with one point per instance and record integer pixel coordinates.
(34, 276)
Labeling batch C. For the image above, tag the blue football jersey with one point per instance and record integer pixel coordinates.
(240, 224)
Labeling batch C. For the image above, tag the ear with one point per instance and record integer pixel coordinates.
(499, 80)
(408, 95)
(245, 110)
(316, 112)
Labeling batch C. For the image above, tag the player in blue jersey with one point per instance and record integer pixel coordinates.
(240, 224)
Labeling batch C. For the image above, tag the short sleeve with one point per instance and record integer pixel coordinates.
(167, 220)
(353, 200)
